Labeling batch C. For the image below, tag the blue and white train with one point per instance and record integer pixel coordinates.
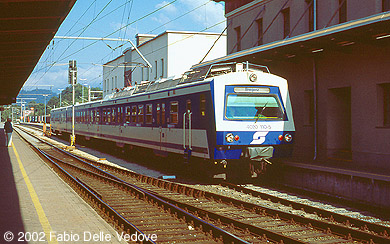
(225, 114)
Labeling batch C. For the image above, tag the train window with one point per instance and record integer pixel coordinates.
(128, 114)
(158, 111)
(253, 107)
(97, 115)
(149, 115)
(141, 114)
(163, 113)
(114, 115)
(174, 113)
(202, 105)
(104, 116)
(120, 114)
(134, 114)
(108, 115)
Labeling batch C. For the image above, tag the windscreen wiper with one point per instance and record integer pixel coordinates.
(258, 112)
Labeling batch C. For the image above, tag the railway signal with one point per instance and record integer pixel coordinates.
(72, 81)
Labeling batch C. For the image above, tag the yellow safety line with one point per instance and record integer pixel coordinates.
(38, 207)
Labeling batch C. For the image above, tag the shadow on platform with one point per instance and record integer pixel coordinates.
(10, 213)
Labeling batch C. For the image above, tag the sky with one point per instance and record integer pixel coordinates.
(116, 19)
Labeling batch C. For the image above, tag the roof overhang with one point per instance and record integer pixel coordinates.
(26, 28)
(365, 30)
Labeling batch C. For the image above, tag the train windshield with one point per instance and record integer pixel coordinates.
(253, 107)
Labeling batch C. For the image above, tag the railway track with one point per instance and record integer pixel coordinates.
(246, 217)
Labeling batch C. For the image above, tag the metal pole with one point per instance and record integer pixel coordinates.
(107, 39)
(89, 93)
(73, 119)
(314, 15)
(45, 110)
(21, 111)
(60, 96)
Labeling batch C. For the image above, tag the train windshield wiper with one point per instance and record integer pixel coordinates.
(260, 112)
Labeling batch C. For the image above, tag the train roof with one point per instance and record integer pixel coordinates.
(193, 75)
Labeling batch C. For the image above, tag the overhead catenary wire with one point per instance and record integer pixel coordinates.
(123, 27)
(74, 41)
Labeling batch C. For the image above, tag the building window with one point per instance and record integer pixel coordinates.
(342, 11)
(310, 5)
(385, 5)
(238, 38)
(384, 104)
(155, 65)
(309, 107)
(259, 24)
(286, 22)
(162, 68)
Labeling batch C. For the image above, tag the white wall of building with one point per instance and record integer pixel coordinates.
(173, 52)
(113, 75)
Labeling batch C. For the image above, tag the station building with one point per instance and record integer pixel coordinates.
(335, 55)
(113, 75)
(171, 53)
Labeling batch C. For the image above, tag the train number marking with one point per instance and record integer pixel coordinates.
(256, 127)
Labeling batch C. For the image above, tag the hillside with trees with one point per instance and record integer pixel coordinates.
(81, 96)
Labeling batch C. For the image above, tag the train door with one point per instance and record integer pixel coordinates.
(161, 123)
(187, 131)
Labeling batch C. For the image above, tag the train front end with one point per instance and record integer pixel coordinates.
(253, 120)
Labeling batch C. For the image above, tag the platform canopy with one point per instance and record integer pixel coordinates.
(26, 28)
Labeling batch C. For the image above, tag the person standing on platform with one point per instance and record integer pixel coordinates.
(8, 132)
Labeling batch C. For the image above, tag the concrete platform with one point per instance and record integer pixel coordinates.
(38, 207)
(337, 179)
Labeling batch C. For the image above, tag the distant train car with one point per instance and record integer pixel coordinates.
(226, 115)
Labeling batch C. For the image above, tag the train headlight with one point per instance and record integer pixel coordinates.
(229, 138)
(288, 137)
(236, 138)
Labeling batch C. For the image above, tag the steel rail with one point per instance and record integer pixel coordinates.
(90, 196)
(206, 227)
(364, 225)
(334, 228)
